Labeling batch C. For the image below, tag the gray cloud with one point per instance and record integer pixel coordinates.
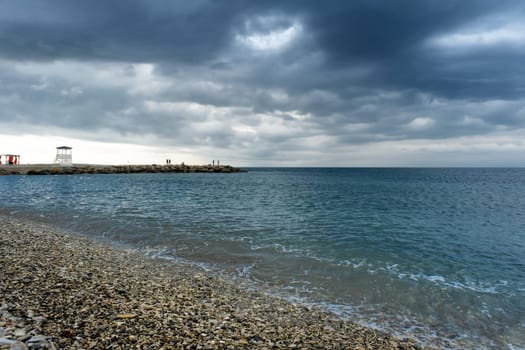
(263, 79)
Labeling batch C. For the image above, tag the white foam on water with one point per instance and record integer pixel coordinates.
(244, 271)
(355, 265)
(475, 286)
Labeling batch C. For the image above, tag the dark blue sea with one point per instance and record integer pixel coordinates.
(433, 254)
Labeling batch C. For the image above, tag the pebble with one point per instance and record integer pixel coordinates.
(133, 302)
(126, 316)
(18, 346)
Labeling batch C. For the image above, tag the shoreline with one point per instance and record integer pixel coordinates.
(78, 293)
(58, 169)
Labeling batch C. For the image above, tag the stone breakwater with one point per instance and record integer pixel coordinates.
(63, 291)
(55, 169)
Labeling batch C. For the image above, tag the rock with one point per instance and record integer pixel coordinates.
(25, 338)
(20, 332)
(52, 169)
(6, 341)
(18, 346)
(126, 316)
(40, 342)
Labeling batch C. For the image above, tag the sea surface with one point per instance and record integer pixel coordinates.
(433, 254)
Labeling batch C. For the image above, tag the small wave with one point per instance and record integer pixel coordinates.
(355, 265)
(392, 269)
(475, 286)
(472, 286)
(244, 271)
(279, 248)
(163, 253)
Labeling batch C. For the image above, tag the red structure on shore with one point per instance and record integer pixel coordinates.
(9, 159)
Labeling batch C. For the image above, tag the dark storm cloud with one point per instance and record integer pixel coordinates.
(114, 30)
(388, 36)
(220, 72)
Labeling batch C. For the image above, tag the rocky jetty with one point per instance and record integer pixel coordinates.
(56, 169)
(63, 291)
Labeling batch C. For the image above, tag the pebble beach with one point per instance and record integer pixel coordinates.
(59, 290)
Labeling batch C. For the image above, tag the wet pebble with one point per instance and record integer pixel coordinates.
(67, 292)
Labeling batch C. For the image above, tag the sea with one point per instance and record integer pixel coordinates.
(437, 255)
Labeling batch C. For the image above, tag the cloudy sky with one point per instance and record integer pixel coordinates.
(265, 83)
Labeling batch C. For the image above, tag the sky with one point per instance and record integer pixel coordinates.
(264, 83)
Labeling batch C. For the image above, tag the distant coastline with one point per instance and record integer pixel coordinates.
(57, 169)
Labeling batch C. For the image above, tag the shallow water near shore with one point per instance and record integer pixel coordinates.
(434, 254)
